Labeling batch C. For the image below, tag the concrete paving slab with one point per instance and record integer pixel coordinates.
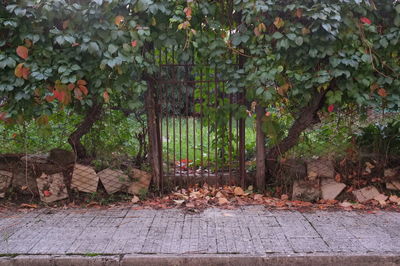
(173, 236)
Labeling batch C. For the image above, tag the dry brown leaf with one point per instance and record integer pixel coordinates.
(219, 194)
(394, 199)
(222, 201)
(190, 205)
(30, 206)
(135, 199)
(258, 197)
(338, 178)
(284, 197)
(238, 191)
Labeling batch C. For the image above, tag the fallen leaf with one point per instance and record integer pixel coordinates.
(179, 202)
(31, 206)
(222, 201)
(219, 194)
(190, 205)
(47, 193)
(394, 199)
(338, 178)
(258, 197)
(238, 191)
(135, 199)
(284, 197)
(345, 204)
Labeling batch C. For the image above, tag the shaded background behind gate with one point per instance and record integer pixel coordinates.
(200, 138)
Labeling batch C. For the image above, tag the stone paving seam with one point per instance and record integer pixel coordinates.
(315, 230)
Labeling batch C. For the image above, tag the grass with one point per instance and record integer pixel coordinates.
(195, 140)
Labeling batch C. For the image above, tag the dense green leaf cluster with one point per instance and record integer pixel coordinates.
(288, 49)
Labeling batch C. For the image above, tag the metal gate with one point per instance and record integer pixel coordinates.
(200, 138)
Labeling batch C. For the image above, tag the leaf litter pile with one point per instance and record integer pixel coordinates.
(197, 198)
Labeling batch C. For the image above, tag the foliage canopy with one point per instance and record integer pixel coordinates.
(65, 53)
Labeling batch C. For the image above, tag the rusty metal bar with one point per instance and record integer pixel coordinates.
(208, 126)
(230, 138)
(201, 123)
(216, 120)
(242, 148)
(194, 131)
(187, 125)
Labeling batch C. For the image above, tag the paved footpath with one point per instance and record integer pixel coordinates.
(250, 235)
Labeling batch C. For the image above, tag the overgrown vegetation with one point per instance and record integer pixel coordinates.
(79, 61)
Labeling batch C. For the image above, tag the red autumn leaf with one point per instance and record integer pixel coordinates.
(106, 96)
(50, 98)
(78, 94)
(65, 24)
(134, 43)
(18, 70)
(118, 20)
(299, 12)
(3, 116)
(22, 52)
(28, 43)
(81, 82)
(382, 92)
(365, 20)
(25, 73)
(71, 86)
(84, 89)
(188, 12)
(331, 108)
(59, 95)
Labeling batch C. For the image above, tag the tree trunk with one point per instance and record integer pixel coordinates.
(83, 128)
(260, 149)
(307, 117)
(154, 134)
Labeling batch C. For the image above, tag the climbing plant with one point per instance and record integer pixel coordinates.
(297, 58)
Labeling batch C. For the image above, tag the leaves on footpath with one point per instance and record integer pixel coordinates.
(197, 198)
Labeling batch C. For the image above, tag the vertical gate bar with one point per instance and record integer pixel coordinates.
(180, 132)
(167, 122)
(230, 137)
(237, 132)
(201, 122)
(242, 148)
(186, 78)
(208, 124)
(173, 120)
(194, 124)
(216, 122)
(160, 104)
(160, 111)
